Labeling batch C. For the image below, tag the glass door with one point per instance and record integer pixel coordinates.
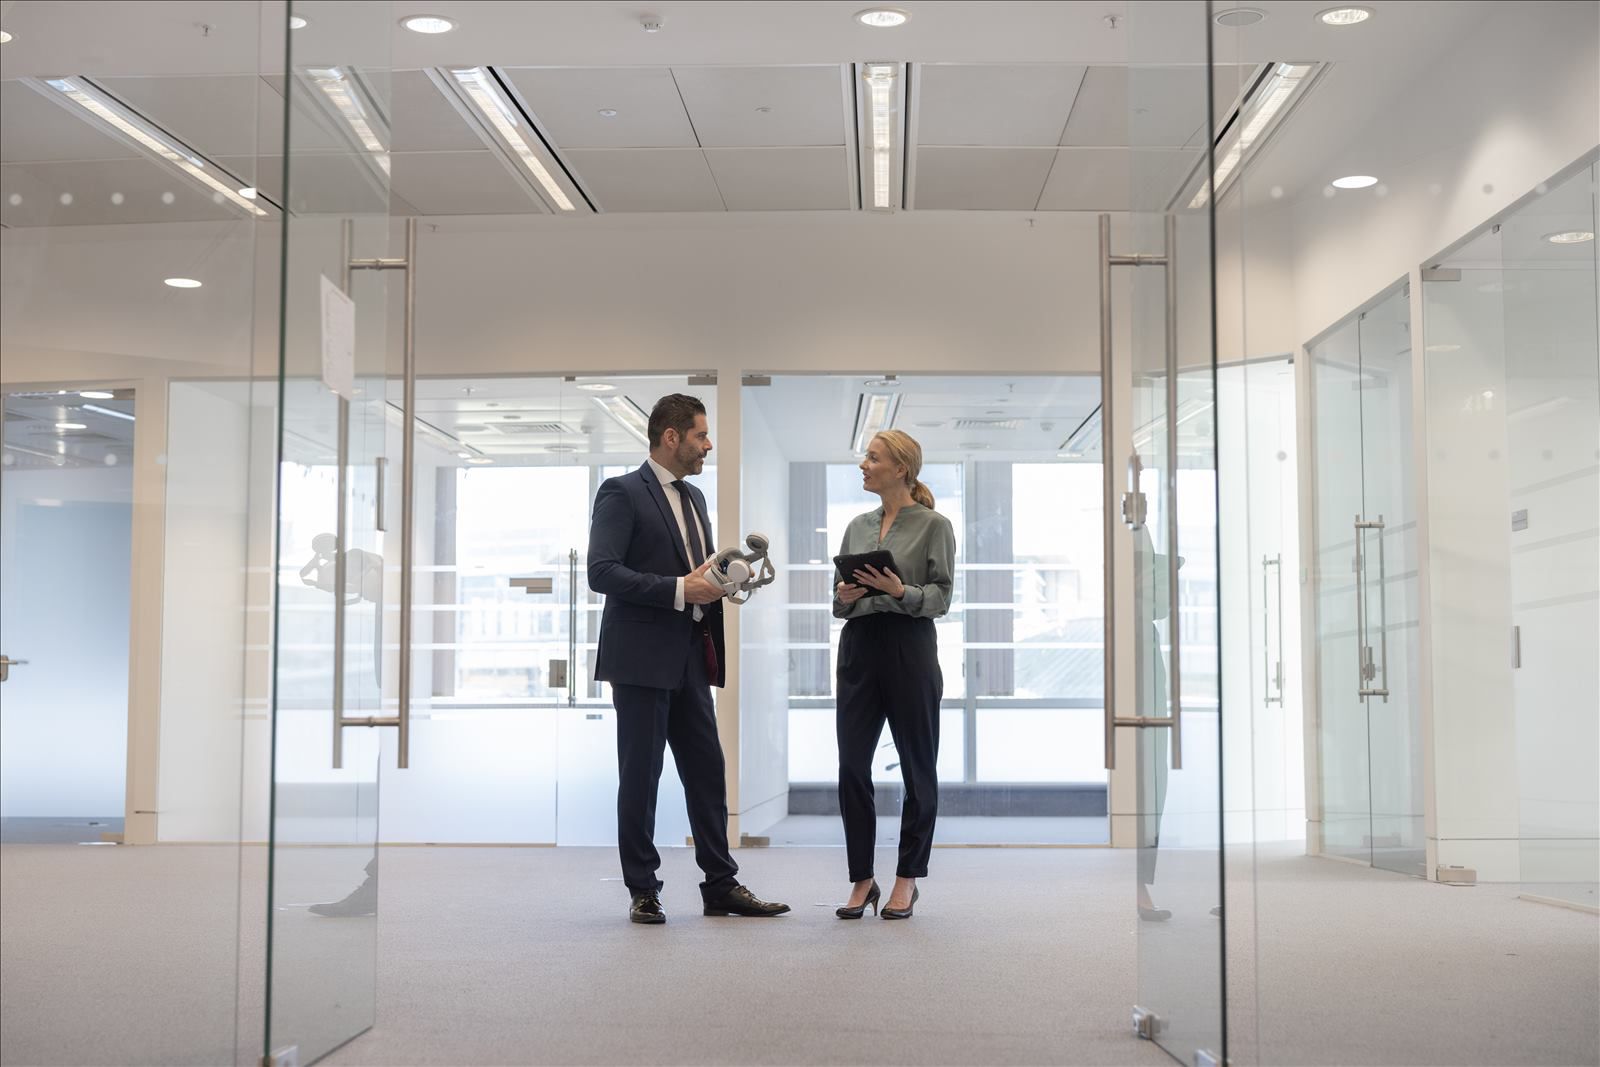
(1367, 604)
(1161, 452)
(1386, 588)
(344, 512)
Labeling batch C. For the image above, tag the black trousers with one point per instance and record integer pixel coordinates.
(889, 670)
(648, 720)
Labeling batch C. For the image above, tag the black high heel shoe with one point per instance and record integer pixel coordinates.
(903, 913)
(859, 910)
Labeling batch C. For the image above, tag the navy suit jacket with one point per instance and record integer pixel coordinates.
(636, 556)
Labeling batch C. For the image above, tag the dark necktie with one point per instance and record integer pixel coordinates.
(697, 548)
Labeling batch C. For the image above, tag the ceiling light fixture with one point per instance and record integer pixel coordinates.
(608, 112)
(628, 415)
(883, 18)
(248, 192)
(110, 413)
(1258, 117)
(479, 461)
(340, 90)
(5, 37)
(183, 283)
(875, 413)
(71, 426)
(1344, 16)
(96, 394)
(297, 22)
(1235, 17)
(509, 131)
(1569, 237)
(882, 109)
(1354, 181)
(888, 381)
(597, 387)
(428, 23)
(88, 98)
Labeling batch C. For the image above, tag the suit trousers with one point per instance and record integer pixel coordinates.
(648, 720)
(889, 670)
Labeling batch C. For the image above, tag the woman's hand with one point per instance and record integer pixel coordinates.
(845, 593)
(887, 581)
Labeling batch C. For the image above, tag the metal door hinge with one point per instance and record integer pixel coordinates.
(1135, 508)
(1146, 1023)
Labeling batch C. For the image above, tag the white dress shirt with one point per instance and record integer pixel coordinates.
(679, 511)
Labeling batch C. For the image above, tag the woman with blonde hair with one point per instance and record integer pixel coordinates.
(889, 667)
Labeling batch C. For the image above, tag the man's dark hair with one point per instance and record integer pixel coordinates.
(674, 412)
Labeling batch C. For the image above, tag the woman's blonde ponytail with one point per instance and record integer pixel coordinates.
(905, 452)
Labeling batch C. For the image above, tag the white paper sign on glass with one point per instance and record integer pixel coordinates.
(338, 339)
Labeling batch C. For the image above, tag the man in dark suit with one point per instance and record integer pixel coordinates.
(661, 648)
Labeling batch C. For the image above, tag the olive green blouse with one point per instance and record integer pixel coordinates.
(924, 549)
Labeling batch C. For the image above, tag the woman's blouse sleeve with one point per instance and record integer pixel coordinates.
(931, 599)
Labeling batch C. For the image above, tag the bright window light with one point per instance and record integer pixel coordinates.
(507, 123)
(1261, 113)
(103, 108)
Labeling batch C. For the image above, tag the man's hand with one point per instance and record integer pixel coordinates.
(698, 589)
(847, 593)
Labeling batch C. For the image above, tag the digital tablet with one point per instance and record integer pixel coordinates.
(848, 565)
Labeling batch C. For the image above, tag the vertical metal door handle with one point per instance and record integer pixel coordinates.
(408, 504)
(1516, 648)
(381, 473)
(1169, 272)
(1368, 671)
(1383, 615)
(1271, 670)
(1109, 503)
(1361, 611)
(572, 628)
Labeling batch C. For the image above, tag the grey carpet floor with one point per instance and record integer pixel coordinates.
(523, 956)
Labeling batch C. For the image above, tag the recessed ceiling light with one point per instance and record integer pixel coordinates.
(559, 448)
(597, 387)
(5, 38)
(71, 426)
(1344, 16)
(93, 394)
(297, 22)
(608, 112)
(248, 192)
(1569, 237)
(183, 283)
(428, 23)
(882, 17)
(1354, 181)
(463, 455)
(891, 382)
(1239, 16)
(480, 460)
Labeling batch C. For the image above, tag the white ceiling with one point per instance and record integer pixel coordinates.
(33, 441)
(730, 107)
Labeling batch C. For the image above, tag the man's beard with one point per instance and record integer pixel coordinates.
(689, 458)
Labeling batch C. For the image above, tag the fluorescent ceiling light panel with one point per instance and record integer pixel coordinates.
(875, 412)
(1085, 440)
(338, 89)
(96, 394)
(881, 109)
(109, 412)
(511, 131)
(628, 415)
(1259, 116)
(85, 98)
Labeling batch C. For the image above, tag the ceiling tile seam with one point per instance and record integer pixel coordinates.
(706, 160)
(673, 74)
(1062, 136)
(1049, 171)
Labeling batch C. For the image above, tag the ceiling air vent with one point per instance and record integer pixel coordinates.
(532, 429)
(988, 424)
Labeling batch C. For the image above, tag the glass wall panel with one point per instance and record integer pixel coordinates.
(1020, 650)
(138, 320)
